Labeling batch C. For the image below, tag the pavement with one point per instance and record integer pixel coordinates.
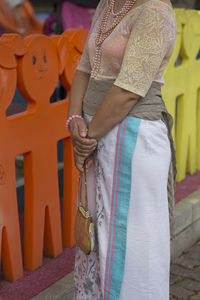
(184, 280)
(61, 290)
(185, 275)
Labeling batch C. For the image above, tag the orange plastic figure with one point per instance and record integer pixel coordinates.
(35, 64)
(77, 39)
(10, 147)
(38, 72)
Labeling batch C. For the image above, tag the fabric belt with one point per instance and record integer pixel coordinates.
(152, 108)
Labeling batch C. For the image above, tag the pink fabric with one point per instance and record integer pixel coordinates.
(74, 16)
(114, 226)
(113, 188)
(50, 25)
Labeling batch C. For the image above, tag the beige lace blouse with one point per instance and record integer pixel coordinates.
(138, 50)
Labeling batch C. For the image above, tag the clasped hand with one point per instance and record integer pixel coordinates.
(83, 147)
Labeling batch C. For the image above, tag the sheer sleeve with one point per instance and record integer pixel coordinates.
(84, 63)
(151, 37)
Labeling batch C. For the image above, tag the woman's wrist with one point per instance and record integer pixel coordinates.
(72, 118)
(90, 133)
(90, 137)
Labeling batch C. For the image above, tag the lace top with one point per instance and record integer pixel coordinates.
(138, 50)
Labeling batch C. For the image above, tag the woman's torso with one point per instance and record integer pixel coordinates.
(114, 46)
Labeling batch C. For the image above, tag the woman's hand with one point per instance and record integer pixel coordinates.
(83, 147)
(79, 162)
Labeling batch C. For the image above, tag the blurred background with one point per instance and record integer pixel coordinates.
(53, 17)
(186, 3)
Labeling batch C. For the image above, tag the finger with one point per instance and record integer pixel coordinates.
(83, 132)
(83, 147)
(83, 155)
(83, 141)
(74, 130)
(79, 158)
(88, 164)
(79, 162)
(84, 150)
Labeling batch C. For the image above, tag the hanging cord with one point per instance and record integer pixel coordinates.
(83, 176)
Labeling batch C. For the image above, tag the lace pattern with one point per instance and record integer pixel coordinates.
(148, 50)
(138, 50)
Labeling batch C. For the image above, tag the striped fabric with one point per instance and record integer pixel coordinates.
(116, 253)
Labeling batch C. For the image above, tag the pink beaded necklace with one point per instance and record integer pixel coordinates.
(104, 33)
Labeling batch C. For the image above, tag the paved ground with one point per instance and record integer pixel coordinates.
(185, 280)
(185, 275)
(61, 290)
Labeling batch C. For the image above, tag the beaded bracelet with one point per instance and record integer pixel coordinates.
(71, 118)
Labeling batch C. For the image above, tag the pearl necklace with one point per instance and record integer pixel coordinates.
(104, 33)
(123, 9)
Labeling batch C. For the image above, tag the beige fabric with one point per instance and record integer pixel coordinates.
(151, 107)
(97, 89)
(139, 48)
(149, 49)
(14, 3)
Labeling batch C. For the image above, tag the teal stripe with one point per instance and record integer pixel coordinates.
(117, 169)
(118, 263)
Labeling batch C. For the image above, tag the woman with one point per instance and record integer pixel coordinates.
(117, 88)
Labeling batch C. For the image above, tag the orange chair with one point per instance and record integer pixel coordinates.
(9, 24)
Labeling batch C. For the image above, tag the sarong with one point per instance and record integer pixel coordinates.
(128, 200)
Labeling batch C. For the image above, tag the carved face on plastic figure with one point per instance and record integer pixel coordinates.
(38, 69)
(40, 64)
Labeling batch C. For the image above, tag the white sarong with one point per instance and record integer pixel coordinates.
(127, 191)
